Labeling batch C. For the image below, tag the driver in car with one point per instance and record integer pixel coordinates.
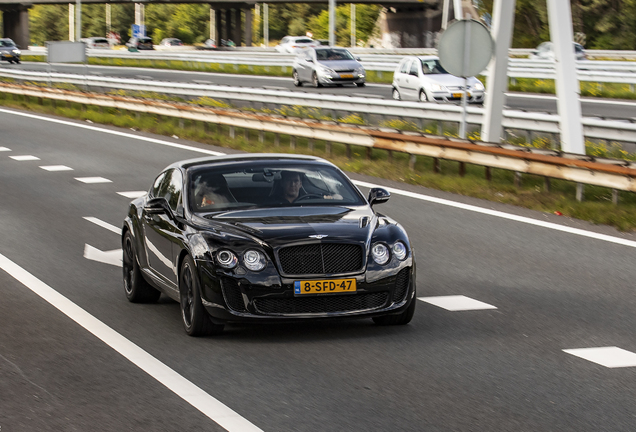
(291, 188)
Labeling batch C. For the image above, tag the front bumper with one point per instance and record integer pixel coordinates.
(341, 78)
(455, 96)
(9, 56)
(234, 299)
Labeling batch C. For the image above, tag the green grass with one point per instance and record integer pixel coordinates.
(597, 207)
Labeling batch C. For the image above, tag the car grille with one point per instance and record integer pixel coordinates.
(344, 70)
(232, 295)
(321, 304)
(323, 258)
(401, 285)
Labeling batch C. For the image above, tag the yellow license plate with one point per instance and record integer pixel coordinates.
(324, 286)
(8, 55)
(346, 75)
(457, 95)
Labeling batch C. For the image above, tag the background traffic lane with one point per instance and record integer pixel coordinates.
(57, 376)
(445, 370)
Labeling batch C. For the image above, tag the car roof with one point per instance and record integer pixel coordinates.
(247, 157)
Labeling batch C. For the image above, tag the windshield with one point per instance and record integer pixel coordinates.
(333, 54)
(6, 43)
(264, 185)
(433, 67)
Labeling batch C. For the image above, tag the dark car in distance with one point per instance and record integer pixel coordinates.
(265, 237)
(9, 51)
(140, 43)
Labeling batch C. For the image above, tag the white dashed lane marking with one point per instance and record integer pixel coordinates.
(611, 357)
(56, 168)
(101, 223)
(132, 194)
(24, 158)
(457, 303)
(5, 149)
(112, 257)
(93, 180)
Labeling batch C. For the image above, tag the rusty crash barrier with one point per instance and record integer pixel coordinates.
(615, 174)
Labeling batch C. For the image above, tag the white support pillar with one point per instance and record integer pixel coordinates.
(213, 24)
(353, 25)
(108, 19)
(139, 14)
(71, 22)
(78, 20)
(332, 22)
(266, 24)
(445, 9)
(567, 83)
(503, 17)
(457, 7)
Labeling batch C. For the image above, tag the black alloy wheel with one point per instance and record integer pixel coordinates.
(399, 319)
(297, 81)
(196, 320)
(136, 288)
(314, 80)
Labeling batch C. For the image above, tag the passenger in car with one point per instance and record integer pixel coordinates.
(212, 190)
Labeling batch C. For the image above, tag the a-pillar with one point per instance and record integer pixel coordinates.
(15, 22)
(248, 27)
(237, 30)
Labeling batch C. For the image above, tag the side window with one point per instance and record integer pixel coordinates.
(414, 68)
(170, 189)
(154, 190)
(405, 67)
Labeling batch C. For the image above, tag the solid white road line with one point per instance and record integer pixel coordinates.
(112, 257)
(503, 215)
(457, 303)
(111, 132)
(441, 201)
(611, 357)
(4, 149)
(56, 168)
(24, 158)
(188, 391)
(103, 224)
(93, 180)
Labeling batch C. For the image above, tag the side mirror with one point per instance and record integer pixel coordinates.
(378, 196)
(179, 215)
(358, 59)
(157, 206)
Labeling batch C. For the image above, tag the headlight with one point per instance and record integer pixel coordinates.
(16, 51)
(478, 86)
(399, 250)
(380, 253)
(327, 70)
(226, 258)
(254, 260)
(437, 87)
(360, 71)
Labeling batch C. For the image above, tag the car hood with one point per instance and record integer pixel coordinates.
(339, 65)
(283, 226)
(450, 80)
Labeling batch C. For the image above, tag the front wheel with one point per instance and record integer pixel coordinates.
(297, 81)
(396, 94)
(360, 84)
(399, 319)
(196, 320)
(136, 288)
(423, 97)
(314, 80)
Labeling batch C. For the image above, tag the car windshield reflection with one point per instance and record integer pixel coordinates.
(333, 54)
(213, 190)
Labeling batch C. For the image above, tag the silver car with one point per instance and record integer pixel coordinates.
(327, 66)
(545, 51)
(424, 79)
(295, 44)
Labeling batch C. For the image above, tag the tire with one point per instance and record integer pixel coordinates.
(360, 84)
(297, 81)
(17, 61)
(399, 319)
(314, 80)
(196, 320)
(396, 94)
(137, 289)
(10, 61)
(423, 97)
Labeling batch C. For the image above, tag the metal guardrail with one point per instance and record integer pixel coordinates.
(418, 112)
(614, 174)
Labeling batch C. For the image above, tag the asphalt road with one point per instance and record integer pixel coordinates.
(590, 107)
(503, 368)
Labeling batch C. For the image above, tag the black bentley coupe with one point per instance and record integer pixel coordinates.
(261, 237)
